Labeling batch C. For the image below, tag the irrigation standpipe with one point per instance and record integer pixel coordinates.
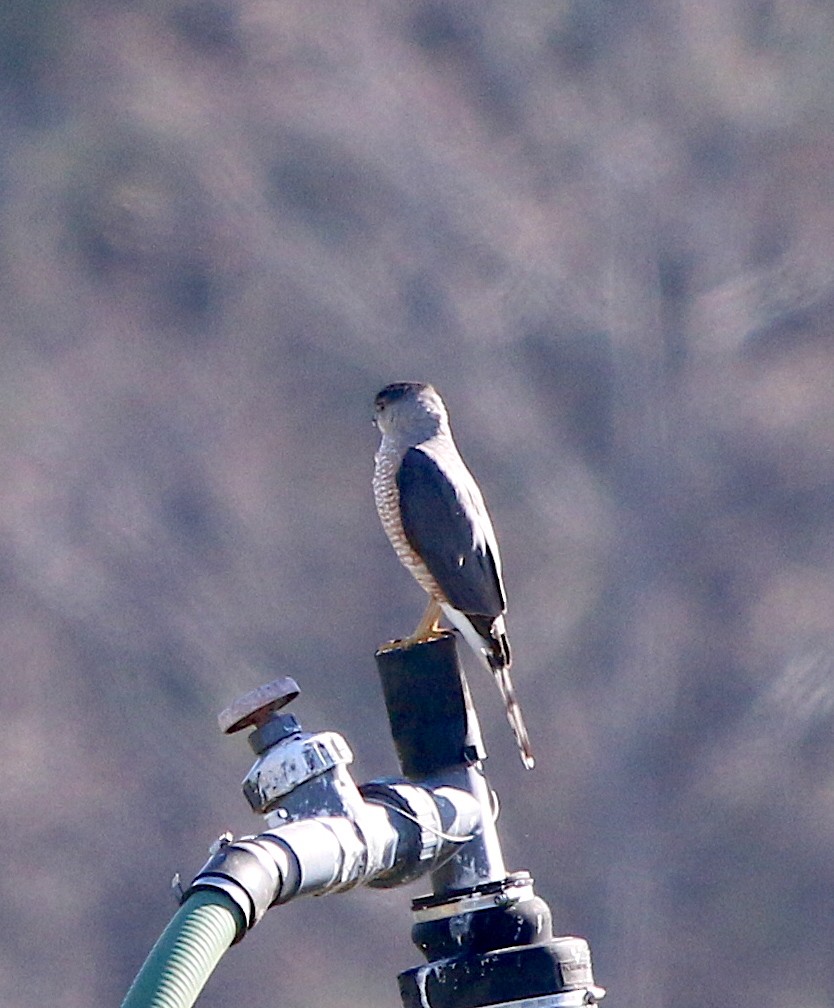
(486, 936)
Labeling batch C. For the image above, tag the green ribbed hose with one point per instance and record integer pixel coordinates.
(186, 953)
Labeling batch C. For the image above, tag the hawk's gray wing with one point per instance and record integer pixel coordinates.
(447, 525)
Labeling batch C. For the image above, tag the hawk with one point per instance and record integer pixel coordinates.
(434, 515)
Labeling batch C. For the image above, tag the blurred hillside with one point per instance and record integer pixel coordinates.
(604, 230)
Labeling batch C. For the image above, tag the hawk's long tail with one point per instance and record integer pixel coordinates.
(513, 709)
(488, 639)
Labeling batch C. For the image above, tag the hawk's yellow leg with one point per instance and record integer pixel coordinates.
(427, 629)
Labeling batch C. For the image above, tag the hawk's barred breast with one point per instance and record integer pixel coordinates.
(387, 497)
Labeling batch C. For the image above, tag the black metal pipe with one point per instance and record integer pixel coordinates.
(438, 741)
(486, 935)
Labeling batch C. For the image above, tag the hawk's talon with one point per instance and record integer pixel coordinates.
(391, 645)
(425, 638)
(403, 643)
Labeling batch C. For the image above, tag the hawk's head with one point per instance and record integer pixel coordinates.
(411, 411)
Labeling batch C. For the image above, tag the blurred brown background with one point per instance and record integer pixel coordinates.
(603, 228)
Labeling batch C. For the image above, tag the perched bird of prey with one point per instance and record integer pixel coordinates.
(434, 514)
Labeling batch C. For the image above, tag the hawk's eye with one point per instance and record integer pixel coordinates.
(379, 406)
